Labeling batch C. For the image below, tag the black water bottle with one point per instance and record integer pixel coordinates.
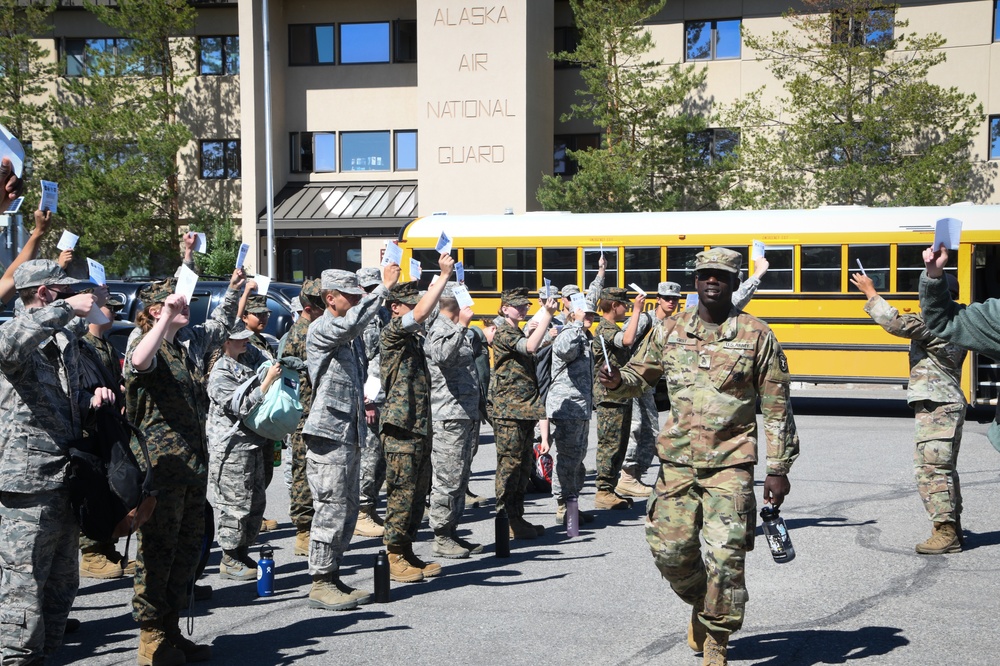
(382, 578)
(502, 534)
(776, 534)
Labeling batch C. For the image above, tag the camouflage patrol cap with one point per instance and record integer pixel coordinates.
(257, 304)
(718, 258)
(296, 305)
(114, 305)
(614, 294)
(345, 282)
(449, 290)
(157, 292)
(312, 288)
(590, 308)
(240, 331)
(39, 272)
(545, 294)
(369, 277)
(569, 290)
(515, 297)
(668, 290)
(405, 292)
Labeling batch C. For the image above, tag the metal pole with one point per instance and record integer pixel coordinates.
(268, 157)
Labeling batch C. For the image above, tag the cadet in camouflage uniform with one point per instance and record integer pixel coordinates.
(300, 505)
(236, 456)
(165, 398)
(935, 393)
(455, 409)
(372, 457)
(514, 404)
(335, 430)
(614, 415)
(717, 362)
(45, 408)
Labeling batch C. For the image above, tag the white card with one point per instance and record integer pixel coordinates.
(393, 254)
(263, 282)
(637, 289)
(459, 271)
(861, 267)
(444, 244)
(948, 232)
(242, 256)
(96, 272)
(14, 206)
(462, 296)
(758, 250)
(547, 290)
(415, 270)
(602, 249)
(691, 301)
(67, 241)
(604, 348)
(95, 316)
(11, 148)
(50, 197)
(435, 279)
(372, 387)
(200, 243)
(187, 280)
(578, 301)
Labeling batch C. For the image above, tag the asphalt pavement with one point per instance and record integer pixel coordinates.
(856, 591)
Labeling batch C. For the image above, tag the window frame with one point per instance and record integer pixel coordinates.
(225, 41)
(339, 45)
(395, 150)
(351, 133)
(226, 150)
(314, 45)
(994, 136)
(396, 39)
(713, 25)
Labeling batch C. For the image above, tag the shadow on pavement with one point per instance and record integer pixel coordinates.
(822, 646)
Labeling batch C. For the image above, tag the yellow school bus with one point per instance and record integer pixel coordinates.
(805, 296)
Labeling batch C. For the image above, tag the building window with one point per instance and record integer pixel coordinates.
(480, 270)
(874, 258)
(567, 39)
(820, 268)
(218, 56)
(405, 41)
(220, 158)
(519, 268)
(996, 21)
(313, 152)
(101, 57)
(364, 151)
(559, 266)
(405, 150)
(364, 43)
(870, 27)
(562, 163)
(302, 152)
(712, 40)
(642, 267)
(713, 145)
(311, 45)
(995, 137)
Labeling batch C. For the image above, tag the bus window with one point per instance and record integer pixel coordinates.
(680, 266)
(875, 259)
(480, 270)
(780, 275)
(744, 255)
(642, 266)
(559, 265)
(821, 268)
(591, 255)
(519, 268)
(910, 263)
(428, 266)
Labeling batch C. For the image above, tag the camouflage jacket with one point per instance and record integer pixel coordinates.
(336, 374)
(260, 342)
(451, 361)
(108, 354)
(571, 395)
(370, 337)
(41, 398)
(935, 364)
(406, 381)
(614, 340)
(743, 295)
(513, 391)
(168, 402)
(714, 379)
(294, 344)
(225, 430)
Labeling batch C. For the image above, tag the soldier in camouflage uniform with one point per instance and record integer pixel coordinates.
(614, 415)
(335, 430)
(717, 362)
(514, 404)
(405, 423)
(935, 393)
(300, 505)
(45, 408)
(165, 369)
(372, 458)
(236, 456)
(455, 409)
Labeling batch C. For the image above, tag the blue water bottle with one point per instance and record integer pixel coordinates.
(265, 572)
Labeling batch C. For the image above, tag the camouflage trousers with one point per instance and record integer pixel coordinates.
(407, 482)
(88, 546)
(569, 446)
(719, 505)
(169, 551)
(642, 434)
(300, 501)
(40, 574)
(613, 423)
(237, 482)
(935, 459)
(333, 473)
(514, 461)
(372, 467)
(451, 464)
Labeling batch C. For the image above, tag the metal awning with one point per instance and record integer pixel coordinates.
(339, 207)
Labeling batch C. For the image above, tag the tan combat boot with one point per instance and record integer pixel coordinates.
(696, 630)
(605, 499)
(361, 596)
(445, 546)
(428, 569)
(400, 570)
(630, 485)
(302, 542)
(716, 646)
(944, 539)
(522, 529)
(267, 525)
(368, 524)
(472, 500)
(326, 595)
(192, 651)
(155, 649)
(98, 565)
(471, 546)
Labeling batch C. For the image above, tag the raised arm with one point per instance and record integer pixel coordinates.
(743, 295)
(909, 326)
(43, 220)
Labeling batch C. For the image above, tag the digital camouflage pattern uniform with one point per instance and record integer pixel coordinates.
(708, 448)
(257, 304)
(935, 393)
(168, 403)
(373, 458)
(300, 505)
(614, 415)
(43, 408)
(568, 407)
(645, 421)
